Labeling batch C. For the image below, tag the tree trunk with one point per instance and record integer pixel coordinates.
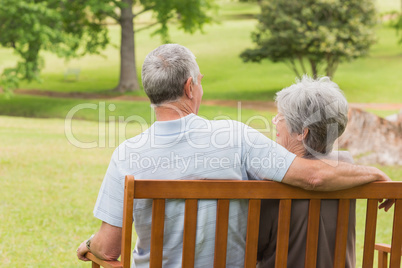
(372, 139)
(128, 71)
(332, 65)
(32, 60)
(294, 68)
(314, 68)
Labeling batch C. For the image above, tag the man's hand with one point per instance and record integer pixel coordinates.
(387, 204)
(81, 251)
(105, 244)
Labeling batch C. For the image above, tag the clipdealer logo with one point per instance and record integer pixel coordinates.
(201, 161)
(112, 128)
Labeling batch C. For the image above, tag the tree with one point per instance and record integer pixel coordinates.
(73, 28)
(397, 23)
(190, 14)
(322, 33)
(398, 26)
(67, 28)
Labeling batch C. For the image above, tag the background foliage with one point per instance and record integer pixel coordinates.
(75, 28)
(319, 33)
(66, 28)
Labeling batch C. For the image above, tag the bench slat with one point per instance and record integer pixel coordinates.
(221, 233)
(382, 259)
(369, 237)
(129, 186)
(313, 228)
(396, 244)
(253, 223)
(341, 233)
(282, 242)
(158, 222)
(189, 232)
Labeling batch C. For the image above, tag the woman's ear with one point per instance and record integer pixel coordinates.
(188, 88)
(302, 136)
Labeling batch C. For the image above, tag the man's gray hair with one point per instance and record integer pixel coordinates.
(166, 70)
(318, 105)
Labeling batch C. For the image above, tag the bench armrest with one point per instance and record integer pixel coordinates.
(98, 262)
(383, 251)
(383, 247)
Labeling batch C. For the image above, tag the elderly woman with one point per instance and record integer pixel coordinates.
(312, 114)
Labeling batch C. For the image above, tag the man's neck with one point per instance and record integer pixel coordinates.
(172, 111)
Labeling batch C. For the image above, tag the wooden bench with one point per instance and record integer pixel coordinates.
(254, 191)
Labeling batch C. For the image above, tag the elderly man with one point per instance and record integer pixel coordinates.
(181, 145)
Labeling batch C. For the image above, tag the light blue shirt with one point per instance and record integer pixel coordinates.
(190, 148)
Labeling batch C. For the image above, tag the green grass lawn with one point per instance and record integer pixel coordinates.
(45, 107)
(372, 79)
(47, 192)
(388, 5)
(48, 188)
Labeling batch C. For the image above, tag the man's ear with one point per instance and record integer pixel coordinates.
(301, 137)
(188, 88)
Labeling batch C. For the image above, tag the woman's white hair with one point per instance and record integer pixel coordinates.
(317, 105)
(165, 71)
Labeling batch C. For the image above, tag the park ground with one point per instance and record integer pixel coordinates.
(268, 106)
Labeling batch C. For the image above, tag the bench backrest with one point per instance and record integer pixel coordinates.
(193, 190)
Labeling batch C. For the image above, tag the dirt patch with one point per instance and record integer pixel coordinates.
(253, 105)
